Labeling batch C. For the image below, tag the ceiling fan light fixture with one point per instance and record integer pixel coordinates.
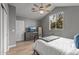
(41, 8)
(41, 12)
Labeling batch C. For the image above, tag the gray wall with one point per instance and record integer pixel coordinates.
(12, 25)
(71, 22)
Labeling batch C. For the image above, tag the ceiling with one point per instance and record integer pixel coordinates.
(25, 9)
(65, 4)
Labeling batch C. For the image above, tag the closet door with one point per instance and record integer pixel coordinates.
(4, 30)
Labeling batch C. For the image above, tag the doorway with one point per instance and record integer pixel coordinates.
(20, 30)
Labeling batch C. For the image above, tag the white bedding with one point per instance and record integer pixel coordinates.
(61, 46)
(50, 38)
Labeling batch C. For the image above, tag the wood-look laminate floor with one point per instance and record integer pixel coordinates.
(22, 48)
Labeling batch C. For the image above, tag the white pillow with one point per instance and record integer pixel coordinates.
(50, 38)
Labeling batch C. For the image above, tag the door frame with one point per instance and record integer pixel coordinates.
(23, 29)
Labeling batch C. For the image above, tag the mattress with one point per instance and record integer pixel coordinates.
(61, 46)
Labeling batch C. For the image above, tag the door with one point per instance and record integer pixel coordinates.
(2, 31)
(20, 30)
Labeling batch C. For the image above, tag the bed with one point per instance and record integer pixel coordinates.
(60, 46)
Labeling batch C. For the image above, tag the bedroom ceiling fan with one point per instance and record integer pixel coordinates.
(41, 8)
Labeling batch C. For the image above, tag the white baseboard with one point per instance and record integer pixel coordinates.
(12, 46)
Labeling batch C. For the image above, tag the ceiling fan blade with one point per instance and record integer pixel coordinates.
(47, 10)
(48, 5)
(36, 5)
(34, 10)
(41, 5)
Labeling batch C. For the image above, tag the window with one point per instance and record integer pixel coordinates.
(56, 21)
